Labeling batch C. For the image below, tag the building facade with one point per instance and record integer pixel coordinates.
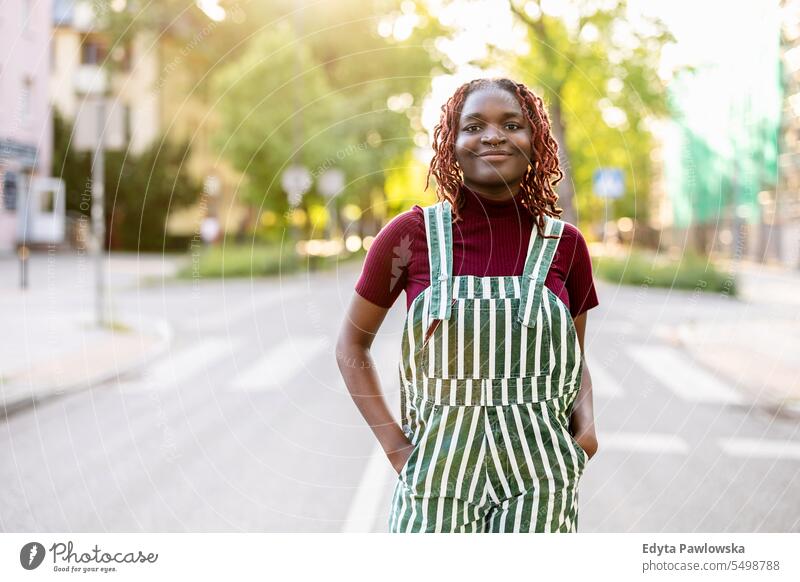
(25, 120)
(152, 94)
(786, 207)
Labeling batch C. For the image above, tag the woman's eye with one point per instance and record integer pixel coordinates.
(512, 125)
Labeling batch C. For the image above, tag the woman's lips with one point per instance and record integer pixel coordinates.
(495, 157)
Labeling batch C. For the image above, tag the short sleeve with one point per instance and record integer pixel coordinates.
(580, 280)
(385, 271)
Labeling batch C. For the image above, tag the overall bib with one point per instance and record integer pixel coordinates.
(489, 373)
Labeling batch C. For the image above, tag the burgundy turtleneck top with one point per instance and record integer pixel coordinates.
(490, 241)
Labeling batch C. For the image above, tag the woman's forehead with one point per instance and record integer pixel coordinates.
(483, 101)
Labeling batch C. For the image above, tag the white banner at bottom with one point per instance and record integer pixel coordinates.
(392, 557)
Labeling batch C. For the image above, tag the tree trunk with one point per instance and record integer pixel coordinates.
(566, 187)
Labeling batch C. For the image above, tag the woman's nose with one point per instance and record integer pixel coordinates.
(493, 138)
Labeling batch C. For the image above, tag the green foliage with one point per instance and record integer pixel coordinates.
(74, 168)
(313, 86)
(640, 267)
(140, 190)
(232, 261)
(598, 62)
(272, 100)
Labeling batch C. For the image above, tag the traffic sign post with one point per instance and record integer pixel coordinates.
(608, 183)
(296, 181)
(330, 184)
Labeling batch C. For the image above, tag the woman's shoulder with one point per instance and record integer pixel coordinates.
(401, 229)
(572, 233)
(407, 220)
(573, 243)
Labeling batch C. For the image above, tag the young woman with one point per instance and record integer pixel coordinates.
(493, 380)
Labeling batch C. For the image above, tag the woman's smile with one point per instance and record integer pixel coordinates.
(495, 158)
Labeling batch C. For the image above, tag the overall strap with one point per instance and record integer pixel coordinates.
(540, 255)
(438, 228)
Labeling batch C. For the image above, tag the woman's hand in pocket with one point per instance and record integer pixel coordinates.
(399, 454)
(585, 435)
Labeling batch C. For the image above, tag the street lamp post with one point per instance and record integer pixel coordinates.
(98, 211)
(330, 184)
(296, 181)
(90, 135)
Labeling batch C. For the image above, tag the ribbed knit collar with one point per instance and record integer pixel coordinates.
(475, 203)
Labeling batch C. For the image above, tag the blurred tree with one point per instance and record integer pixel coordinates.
(71, 166)
(598, 73)
(322, 78)
(140, 191)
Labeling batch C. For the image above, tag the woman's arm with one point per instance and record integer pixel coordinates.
(582, 418)
(355, 362)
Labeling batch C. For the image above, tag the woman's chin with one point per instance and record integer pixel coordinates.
(495, 180)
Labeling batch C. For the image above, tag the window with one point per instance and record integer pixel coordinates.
(93, 51)
(10, 191)
(47, 202)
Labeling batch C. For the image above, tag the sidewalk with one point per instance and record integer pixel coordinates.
(759, 351)
(51, 344)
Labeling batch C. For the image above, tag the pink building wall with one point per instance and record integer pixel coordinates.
(25, 117)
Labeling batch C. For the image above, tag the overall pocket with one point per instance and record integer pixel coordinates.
(421, 415)
(560, 408)
(484, 339)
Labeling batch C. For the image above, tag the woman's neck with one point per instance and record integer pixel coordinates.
(478, 205)
(499, 193)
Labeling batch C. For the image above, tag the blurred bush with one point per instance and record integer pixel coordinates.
(642, 267)
(256, 261)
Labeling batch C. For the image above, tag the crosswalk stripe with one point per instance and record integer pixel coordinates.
(603, 384)
(233, 313)
(675, 370)
(280, 364)
(744, 447)
(644, 442)
(179, 365)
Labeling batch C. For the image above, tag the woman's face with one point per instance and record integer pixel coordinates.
(492, 122)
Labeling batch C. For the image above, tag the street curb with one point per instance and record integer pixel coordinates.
(158, 327)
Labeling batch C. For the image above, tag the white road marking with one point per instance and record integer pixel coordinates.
(236, 309)
(180, 365)
(675, 370)
(275, 369)
(603, 384)
(371, 492)
(642, 442)
(766, 448)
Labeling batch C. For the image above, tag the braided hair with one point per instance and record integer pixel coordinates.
(537, 192)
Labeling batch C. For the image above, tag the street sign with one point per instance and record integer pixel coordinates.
(608, 182)
(296, 180)
(331, 182)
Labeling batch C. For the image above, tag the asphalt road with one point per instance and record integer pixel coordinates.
(246, 425)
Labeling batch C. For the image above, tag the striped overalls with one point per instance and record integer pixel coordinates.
(490, 370)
